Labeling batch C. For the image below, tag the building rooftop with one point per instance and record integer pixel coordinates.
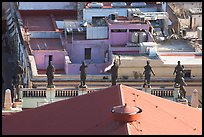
(47, 5)
(93, 113)
(46, 44)
(196, 10)
(185, 58)
(175, 46)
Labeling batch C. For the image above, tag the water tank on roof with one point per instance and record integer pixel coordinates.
(199, 32)
(134, 37)
(118, 4)
(142, 37)
(112, 16)
(138, 4)
(95, 5)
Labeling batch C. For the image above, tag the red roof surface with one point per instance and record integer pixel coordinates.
(91, 114)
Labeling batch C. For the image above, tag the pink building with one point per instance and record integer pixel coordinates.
(57, 33)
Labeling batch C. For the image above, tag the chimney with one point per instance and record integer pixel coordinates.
(7, 100)
(126, 113)
(194, 99)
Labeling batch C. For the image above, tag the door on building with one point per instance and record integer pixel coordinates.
(87, 54)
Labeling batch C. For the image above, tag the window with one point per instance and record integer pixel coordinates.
(87, 53)
(187, 73)
(119, 30)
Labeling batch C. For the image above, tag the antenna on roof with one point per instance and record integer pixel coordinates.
(45, 45)
(38, 46)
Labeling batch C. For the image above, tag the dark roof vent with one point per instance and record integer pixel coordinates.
(126, 113)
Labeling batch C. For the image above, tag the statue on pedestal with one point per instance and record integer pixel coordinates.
(19, 81)
(179, 79)
(83, 75)
(114, 73)
(179, 70)
(50, 74)
(182, 85)
(147, 72)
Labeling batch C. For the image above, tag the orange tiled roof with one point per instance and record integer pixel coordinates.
(91, 114)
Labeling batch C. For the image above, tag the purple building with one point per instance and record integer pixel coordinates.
(57, 33)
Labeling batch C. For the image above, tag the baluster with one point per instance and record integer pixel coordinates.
(44, 93)
(68, 93)
(37, 94)
(58, 93)
(172, 93)
(24, 93)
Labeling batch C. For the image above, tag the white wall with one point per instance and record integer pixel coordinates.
(97, 32)
(44, 34)
(46, 5)
(89, 13)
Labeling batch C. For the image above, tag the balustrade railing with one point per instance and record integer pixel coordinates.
(33, 92)
(66, 93)
(26, 92)
(163, 92)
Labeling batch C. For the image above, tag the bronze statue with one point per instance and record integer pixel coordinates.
(19, 81)
(83, 74)
(50, 74)
(179, 70)
(147, 72)
(114, 73)
(19, 72)
(182, 85)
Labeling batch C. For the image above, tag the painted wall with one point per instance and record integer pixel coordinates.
(98, 47)
(120, 38)
(46, 5)
(93, 69)
(58, 58)
(196, 21)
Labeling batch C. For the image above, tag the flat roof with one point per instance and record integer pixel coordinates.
(175, 46)
(46, 44)
(196, 10)
(186, 59)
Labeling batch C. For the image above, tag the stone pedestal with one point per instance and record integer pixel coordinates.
(82, 90)
(7, 100)
(183, 101)
(50, 94)
(147, 88)
(176, 92)
(50, 86)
